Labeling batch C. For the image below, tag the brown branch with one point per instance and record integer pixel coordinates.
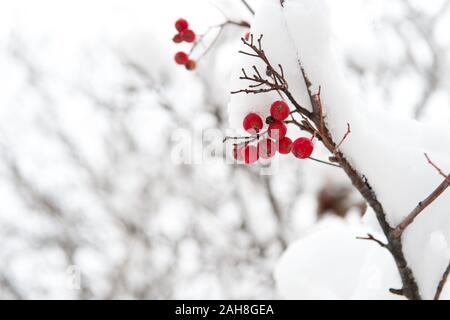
(410, 289)
(249, 8)
(397, 292)
(442, 283)
(398, 232)
(372, 238)
(446, 177)
(349, 131)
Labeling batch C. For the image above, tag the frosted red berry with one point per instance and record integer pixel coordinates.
(247, 36)
(250, 154)
(285, 146)
(277, 130)
(181, 58)
(177, 38)
(181, 24)
(188, 35)
(253, 123)
(267, 149)
(302, 148)
(279, 110)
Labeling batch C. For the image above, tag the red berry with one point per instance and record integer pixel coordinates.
(253, 123)
(188, 35)
(247, 36)
(177, 38)
(280, 110)
(277, 130)
(267, 149)
(302, 148)
(285, 146)
(250, 154)
(181, 25)
(181, 58)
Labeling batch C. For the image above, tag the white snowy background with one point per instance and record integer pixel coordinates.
(89, 101)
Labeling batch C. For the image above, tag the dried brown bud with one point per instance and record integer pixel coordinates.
(191, 65)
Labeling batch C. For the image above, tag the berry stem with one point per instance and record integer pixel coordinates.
(325, 162)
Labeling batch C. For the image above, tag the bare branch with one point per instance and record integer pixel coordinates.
(446, 177)
(397, 233)
(442, 283)
(349, 131)
(249, 8)
(372, 238)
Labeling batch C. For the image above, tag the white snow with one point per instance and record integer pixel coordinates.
(329, 263)
(389, 151)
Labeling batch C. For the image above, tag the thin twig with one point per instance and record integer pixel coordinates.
(372, 238)
(325, 162)
(349, 131)
(442, 283)
(221, 27)
(446, 177)
(276, 81)
(397, 233)
(249, 8)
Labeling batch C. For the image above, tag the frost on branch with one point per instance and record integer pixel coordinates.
(383, 155)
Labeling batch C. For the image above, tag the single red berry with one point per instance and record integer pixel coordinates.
(253, 123)
(181, 25)
(267, 149)
(250, 154)
(285, 146)
(280, 110)
(302, 148)
(277, 130)
(181, 58)
(177, 38)
(247, 36)
(188, 35)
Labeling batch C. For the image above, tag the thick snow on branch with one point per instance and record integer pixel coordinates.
(388, 151)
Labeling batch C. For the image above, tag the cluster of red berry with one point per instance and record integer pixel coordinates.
(184, 35)
(274, 140)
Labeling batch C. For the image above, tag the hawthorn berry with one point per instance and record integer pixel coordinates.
(285, 146)
(302, 148)
(253, 123)
(177, 38)
(181, 25)
(181, 58)
(267, 149)
(188, 35)
(277, 130)
(250, 154)
(280, 110)
(191, 65)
